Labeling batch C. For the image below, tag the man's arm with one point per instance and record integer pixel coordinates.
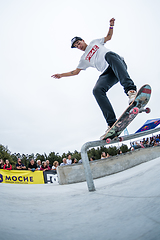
(110, 32)
(18, 167)
(68, 74)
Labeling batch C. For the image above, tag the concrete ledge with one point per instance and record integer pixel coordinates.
(100, 168)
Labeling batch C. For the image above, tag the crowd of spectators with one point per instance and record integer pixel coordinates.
(69, 161)
(37, 166)
(146, 142)
(45, 165)
(6, 165)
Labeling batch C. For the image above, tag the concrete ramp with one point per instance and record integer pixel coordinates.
(125, 206)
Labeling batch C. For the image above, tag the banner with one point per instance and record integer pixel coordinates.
(21, 177)
(50, 176)
(149, 124)
(126, 132)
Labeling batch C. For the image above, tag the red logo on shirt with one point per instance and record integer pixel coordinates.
(91, 53)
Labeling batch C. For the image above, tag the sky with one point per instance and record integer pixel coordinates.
(41, 114)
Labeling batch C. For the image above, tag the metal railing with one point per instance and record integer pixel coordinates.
(86, 146)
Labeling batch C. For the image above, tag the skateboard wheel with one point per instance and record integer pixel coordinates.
(108, 140)
(120, 139)
(148, 110)
(135, 110)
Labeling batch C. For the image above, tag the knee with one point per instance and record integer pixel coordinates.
(99, 90)
(108, 56)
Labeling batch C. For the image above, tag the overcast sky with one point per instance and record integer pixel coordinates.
(41, 114)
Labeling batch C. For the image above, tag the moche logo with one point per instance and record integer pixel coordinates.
(1, 178)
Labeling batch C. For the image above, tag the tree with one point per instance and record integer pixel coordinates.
(54, 157)
(124, 148)
(40, 157)
(76, 155)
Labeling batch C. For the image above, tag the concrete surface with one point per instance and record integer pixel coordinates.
(125, 206)
(100, 168)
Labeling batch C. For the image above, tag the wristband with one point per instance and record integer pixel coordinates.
(111, 27)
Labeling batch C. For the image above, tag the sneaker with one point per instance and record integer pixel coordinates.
(131, 94)
(105, 133)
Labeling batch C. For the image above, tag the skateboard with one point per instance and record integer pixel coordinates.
(136, 107)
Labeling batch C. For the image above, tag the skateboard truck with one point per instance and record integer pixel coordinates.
(136, 110)
(147, 110)
(118, 139)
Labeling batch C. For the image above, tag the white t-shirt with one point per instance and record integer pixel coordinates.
(69, 161)
(94, 56)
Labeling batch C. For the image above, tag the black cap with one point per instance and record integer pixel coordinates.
(75, 39)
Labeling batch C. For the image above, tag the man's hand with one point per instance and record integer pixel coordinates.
(68, 74)
(110, 32)
(112, 22)
(57, 76)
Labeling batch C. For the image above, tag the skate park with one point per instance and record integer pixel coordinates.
(123, 205)
(110, 199)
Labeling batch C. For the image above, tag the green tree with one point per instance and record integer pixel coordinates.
(54, 157)
(94, 153)
(76, 155)
(25, 160)
(124, 148)
(41, 157)
(112, 151)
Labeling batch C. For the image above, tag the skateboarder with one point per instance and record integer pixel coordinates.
(112, 66)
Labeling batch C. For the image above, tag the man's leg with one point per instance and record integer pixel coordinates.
(120, 70)
(104, 83)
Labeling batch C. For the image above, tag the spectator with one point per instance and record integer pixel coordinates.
(64, 162)
(151, 143)
(69, 160)
(44, 167)
(147, 144)
(38, 164)
(74, 160)
(1, 163)
(144, 141)
(155, 143)
(7, 165)
(108, 155)
(136, 145)
(32, 166)
(20, 165)
(91, 159)
(157, 139)
(119, 151)
(103, 155)
(48, 164)
(55, 165)
(141, 144)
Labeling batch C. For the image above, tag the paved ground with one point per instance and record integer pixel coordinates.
(125, 206)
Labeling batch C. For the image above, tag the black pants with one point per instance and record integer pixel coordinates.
(116, 72)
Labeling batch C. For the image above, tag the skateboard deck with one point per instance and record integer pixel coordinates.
(137, 106)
